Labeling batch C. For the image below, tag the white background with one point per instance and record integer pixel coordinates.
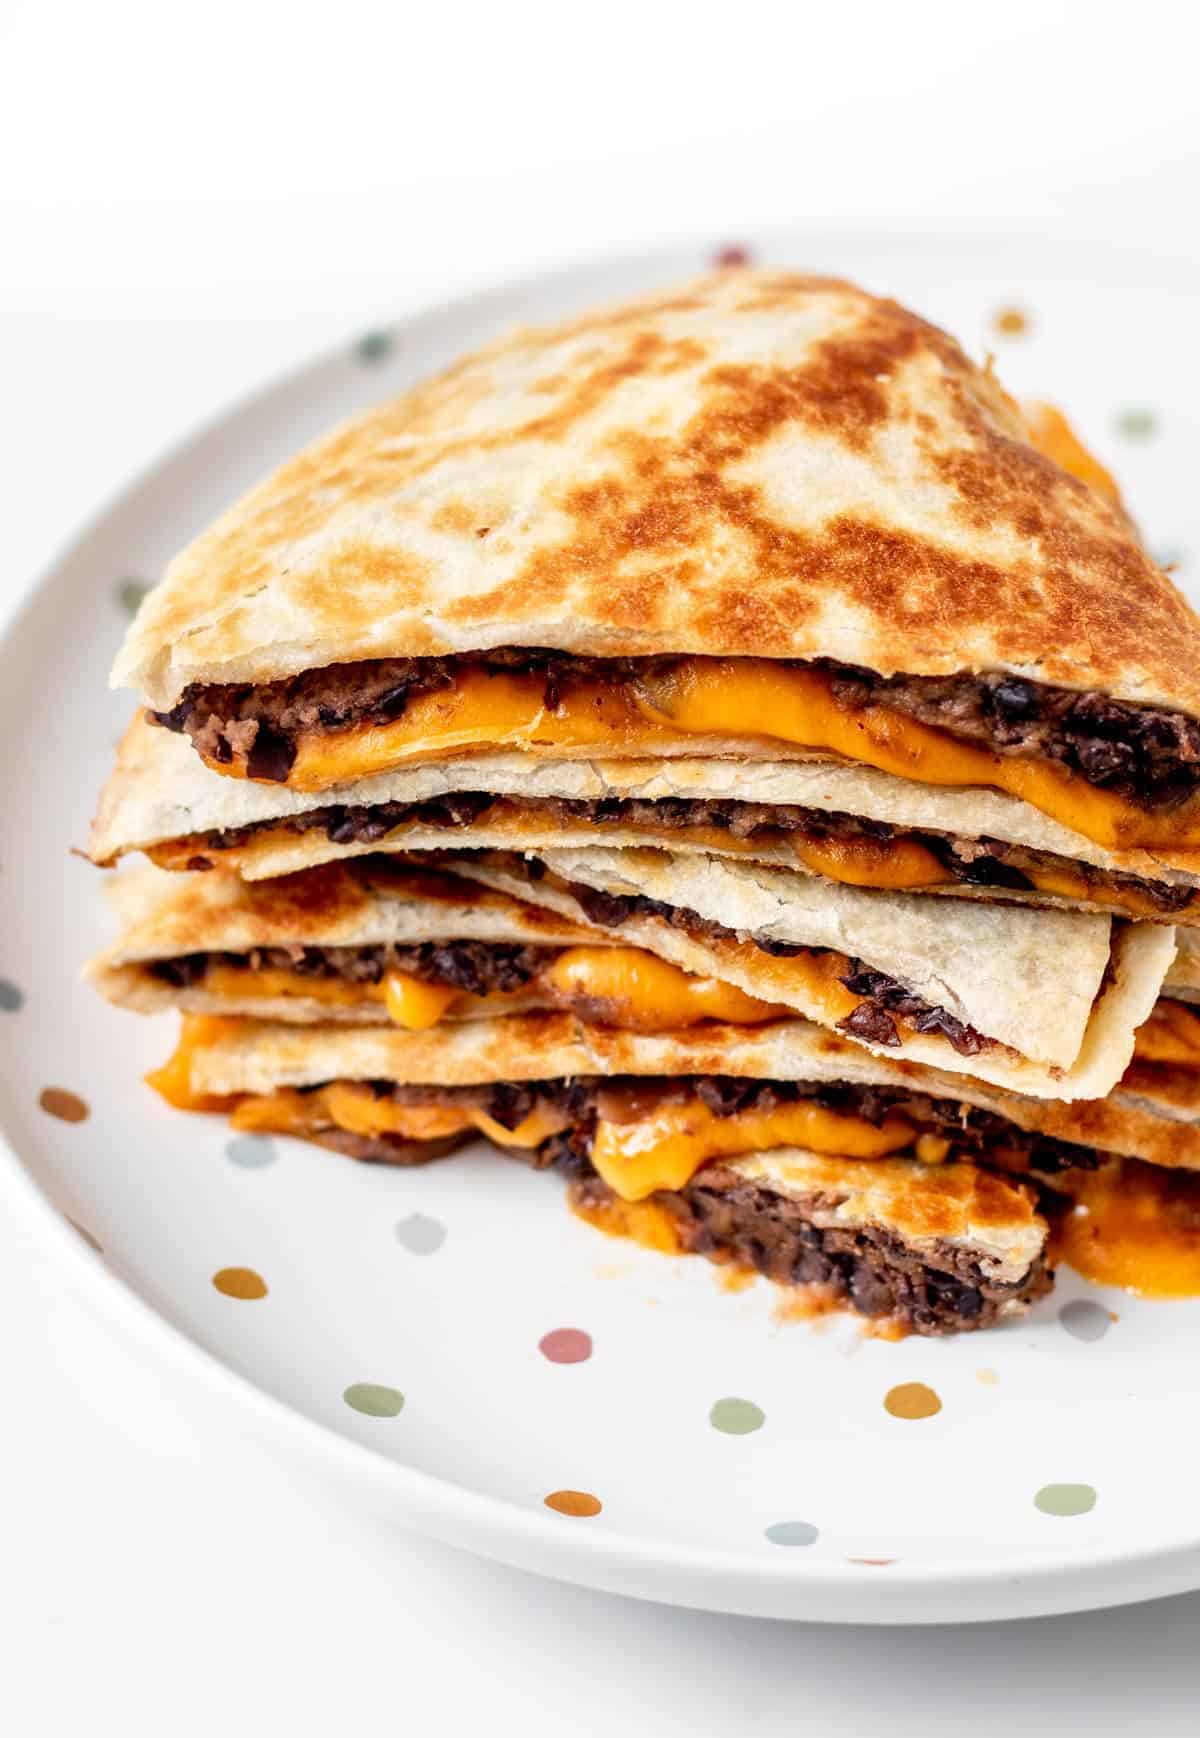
(193, 198)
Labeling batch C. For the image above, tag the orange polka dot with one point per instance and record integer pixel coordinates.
(1012, 322)
(911, 1400)
(67, 1106)
(241, 1282)
(573, 1503)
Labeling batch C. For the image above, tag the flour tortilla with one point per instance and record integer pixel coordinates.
(166, 916)
(1034, 981)
(1183, 979)
(757, 463)
(255, 1057)
(160, 791)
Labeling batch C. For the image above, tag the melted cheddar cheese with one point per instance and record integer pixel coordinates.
(1052, 435)
(863, 862)
(714, 697)
(623, 987)
(1136, 1226)
(665, 1148)
(1171, 1034)
(354, 1107)
(637, 991)
(173, 1081)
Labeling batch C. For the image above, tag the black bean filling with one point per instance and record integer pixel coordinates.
(980, 862)
(479, 967)
(1146, 754)
(941, 1289)
(874, 1020)
(974, 1134)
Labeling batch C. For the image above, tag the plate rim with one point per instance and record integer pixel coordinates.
(821, 1589)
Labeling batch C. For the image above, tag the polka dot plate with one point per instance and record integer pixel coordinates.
(448, 1342)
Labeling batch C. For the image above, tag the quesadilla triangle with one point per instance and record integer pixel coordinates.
(1038, 1001)
(382, 940)
(772, 1148)
(758, 516)
(841, 823)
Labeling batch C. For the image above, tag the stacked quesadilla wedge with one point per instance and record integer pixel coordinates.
(707, 685)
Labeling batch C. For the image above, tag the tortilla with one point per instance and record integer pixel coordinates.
(759, 463)
(1061, 993)
(161, 792)
(1183, 978)
(255, 1057)
(385, 901)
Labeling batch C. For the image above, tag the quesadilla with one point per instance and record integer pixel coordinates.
(1038, 1001)
(1046, 1002)
(772, 1148)
(839, 823)
(383, 940)
(760, 518)
(899, 1189)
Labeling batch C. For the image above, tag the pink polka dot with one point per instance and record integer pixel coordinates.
(566, 1346)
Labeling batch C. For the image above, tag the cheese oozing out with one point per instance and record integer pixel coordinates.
(643, 1141)
(715, 697)
(624, 987)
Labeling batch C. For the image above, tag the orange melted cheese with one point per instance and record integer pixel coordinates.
(710, 696)
(643, 1222)
(355, 1108)
(1171, 1034)
(1135, 1226)
(614, 986)
(173, 1081)
(714, 697)
(665, 1148)
(1052, 435)
(862, 862)
(639, 992)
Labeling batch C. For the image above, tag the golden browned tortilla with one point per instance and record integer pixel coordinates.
(759, 463)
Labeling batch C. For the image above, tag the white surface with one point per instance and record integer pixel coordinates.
(174, 232)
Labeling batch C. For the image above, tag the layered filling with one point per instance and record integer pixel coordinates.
(639, 1135)
(1120, 774)
(803, 1236)
(831, 987)
(418, 986)
(666, 1160)
(841, 847)
(625, 987)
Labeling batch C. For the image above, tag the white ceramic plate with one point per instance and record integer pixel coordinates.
(739, 1462)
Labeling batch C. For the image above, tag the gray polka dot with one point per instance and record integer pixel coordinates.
(251, 1152)
(420, 1234)
(792, 1533)
(129, 593)
(1084, 1320)
(11, 998)
(373, 346)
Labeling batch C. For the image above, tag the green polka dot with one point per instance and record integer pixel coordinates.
(1065, 1499)
(373, 346)
(1137, 423)
(130, 593)
(373, 1398)
(11, 997)
(736, 1417)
